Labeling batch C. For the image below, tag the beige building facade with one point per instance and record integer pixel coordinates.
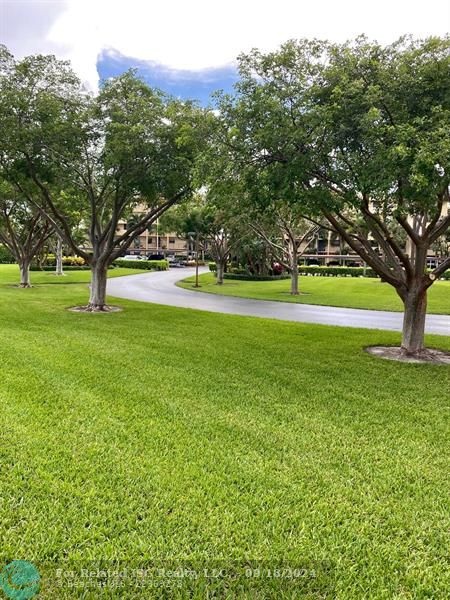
(154, 242)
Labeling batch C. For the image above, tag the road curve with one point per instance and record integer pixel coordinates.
(160, 288)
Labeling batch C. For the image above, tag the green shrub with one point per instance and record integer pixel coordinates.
(70, 261)
(212, 267)
(238, 271)
(250, 277)
(345, 271)
(336, 271)
(5, 256)
(149, 265)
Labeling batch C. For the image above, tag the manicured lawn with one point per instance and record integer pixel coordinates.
(350, 292)
(9, 274)
(175, 437)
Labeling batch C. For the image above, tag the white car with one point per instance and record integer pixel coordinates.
(130, 257)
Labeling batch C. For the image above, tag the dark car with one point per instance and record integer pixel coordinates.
(155, 257)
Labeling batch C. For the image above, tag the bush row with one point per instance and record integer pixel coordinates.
(336, 271)
(309, 270)
(316, 270)
(250, 277)
(149, 265)
(70, 261)
(346, 271)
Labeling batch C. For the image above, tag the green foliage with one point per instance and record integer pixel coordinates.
(93, 159)
(73, 261)
(336, 271)
(250, 277)
(345, 271)
(356, 134)
(147, 265)
(386, 113)
(189, 219)
(6, 256)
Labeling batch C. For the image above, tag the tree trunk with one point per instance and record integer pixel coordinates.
(24, 266)
(415, 303)
(220, 271)
(39, 260)
(294, 275)
(59, 257)
(97, 300)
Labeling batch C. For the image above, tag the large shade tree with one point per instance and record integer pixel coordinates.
(23, 229)
(288, 233)
(362, 132)
(129, 146)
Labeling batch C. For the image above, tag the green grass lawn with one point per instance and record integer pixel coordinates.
(9, 274)
(164, 436)
(349, 292)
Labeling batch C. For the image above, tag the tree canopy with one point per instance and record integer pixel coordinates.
(358, 134)
(130, 145)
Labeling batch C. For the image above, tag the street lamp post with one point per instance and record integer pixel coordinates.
(157, 236)
(197, 243)
(197, 240)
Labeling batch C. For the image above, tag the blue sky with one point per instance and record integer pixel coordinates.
(181, 83)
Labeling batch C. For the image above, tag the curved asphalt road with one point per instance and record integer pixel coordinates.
(160, 288)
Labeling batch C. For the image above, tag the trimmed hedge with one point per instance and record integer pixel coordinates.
(149, 265)
(70, 261)
(250, 277)
(336, 271)
(346, 271)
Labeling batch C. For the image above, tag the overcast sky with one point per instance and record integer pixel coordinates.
(188, 46)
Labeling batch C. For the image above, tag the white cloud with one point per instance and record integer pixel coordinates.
(197, 34)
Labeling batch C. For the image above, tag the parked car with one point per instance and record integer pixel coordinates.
(155, 257)
(174, 261)
(131, 257)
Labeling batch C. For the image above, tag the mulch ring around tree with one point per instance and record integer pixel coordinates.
(88, 309)
(429, 356)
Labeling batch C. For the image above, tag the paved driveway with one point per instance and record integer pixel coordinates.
(160, 288)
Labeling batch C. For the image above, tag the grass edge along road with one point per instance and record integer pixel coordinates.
(161, 434)
(343, 292)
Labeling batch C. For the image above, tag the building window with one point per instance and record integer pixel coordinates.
(171, 240)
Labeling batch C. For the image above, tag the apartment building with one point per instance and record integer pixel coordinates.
(154, 242)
